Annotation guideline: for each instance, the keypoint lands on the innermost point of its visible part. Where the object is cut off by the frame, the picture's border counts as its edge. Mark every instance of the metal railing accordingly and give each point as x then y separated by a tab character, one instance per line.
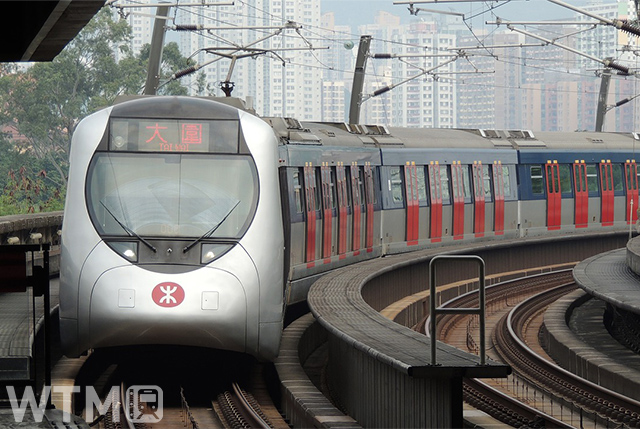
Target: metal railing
434	311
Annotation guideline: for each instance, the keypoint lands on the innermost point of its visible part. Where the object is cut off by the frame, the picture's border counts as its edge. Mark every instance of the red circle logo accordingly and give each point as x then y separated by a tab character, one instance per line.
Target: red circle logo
168	294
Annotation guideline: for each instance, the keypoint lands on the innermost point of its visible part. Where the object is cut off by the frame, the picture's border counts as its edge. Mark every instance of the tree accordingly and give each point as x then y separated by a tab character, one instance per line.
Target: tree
44	103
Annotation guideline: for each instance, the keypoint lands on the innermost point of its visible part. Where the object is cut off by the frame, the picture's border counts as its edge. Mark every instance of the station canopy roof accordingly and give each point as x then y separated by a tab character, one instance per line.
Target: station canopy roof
39	30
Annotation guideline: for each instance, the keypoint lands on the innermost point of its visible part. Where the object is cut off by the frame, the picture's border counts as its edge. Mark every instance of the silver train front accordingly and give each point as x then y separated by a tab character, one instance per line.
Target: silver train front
233	303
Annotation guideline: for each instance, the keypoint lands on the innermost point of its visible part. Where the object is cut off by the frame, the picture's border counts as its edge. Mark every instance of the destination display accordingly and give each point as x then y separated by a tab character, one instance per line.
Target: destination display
151	135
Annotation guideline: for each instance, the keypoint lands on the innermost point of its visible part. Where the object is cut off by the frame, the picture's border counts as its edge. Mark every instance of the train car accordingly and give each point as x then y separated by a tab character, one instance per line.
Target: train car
579	181
173	231
192	222
437	187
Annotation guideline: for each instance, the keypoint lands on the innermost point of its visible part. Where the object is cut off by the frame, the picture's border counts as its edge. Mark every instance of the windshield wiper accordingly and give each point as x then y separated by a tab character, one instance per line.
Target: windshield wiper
211	231
128	230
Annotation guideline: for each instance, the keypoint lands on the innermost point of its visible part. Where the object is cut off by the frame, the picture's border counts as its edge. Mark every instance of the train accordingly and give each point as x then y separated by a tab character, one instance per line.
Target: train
193	221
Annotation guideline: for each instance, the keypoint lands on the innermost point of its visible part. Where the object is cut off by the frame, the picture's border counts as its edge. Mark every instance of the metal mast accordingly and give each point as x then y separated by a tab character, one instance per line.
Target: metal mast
155	55
358	79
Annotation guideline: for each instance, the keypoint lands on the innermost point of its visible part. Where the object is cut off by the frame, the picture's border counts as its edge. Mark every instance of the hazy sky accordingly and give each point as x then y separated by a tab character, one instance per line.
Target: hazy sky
359	12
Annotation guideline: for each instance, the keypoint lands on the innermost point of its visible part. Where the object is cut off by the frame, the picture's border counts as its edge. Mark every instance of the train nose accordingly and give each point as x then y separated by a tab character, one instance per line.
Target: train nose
133	306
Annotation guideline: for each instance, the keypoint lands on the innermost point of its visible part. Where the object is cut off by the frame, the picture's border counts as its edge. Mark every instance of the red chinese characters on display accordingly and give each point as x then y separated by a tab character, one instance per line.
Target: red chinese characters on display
175	136
156	133
192	133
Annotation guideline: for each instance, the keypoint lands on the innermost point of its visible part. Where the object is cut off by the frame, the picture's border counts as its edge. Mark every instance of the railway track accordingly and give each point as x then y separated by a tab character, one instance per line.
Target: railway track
605	406
241	410
205	394
548	395
233	408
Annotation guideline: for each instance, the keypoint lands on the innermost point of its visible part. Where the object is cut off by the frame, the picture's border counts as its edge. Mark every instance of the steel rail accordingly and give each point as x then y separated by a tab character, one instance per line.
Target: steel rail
563	384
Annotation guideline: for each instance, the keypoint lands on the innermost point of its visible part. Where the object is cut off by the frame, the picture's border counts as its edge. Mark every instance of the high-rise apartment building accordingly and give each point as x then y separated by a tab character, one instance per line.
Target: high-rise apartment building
141	22
424	92
505	81
280	74
539	86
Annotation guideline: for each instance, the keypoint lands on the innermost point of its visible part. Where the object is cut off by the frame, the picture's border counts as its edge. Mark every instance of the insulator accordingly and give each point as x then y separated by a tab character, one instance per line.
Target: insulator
188	27
623	69
621	102
384	56
630	28
184	72
381	91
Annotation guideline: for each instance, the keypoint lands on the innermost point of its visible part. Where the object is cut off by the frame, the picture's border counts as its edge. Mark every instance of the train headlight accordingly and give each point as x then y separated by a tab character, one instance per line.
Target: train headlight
119	141
211	251
129	250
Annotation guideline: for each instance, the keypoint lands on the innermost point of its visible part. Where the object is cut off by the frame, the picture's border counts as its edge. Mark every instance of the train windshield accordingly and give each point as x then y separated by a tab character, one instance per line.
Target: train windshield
171	195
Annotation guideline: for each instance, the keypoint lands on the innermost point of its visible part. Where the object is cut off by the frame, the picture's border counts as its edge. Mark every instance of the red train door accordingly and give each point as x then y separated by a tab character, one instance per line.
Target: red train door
498	206
436	202
457	180
581	194
357	207
606	185
478	192
310	200
369	200
554	195
413	207
631	180
327	211
343	210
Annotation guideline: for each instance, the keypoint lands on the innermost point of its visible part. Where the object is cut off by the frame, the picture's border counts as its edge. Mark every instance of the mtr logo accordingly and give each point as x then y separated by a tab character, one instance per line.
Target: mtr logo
168	294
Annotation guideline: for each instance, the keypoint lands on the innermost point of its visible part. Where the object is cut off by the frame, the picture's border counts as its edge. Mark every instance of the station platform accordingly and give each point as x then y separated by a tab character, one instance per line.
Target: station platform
610	276
16	328
52	419
586	346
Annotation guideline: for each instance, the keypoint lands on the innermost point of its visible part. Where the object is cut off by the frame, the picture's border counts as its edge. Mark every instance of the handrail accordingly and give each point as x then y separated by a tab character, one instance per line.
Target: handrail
433	311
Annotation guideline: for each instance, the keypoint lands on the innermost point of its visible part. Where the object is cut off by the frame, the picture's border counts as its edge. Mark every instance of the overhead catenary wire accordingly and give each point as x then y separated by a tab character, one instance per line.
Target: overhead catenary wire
617	23
312	30
314	33
605	62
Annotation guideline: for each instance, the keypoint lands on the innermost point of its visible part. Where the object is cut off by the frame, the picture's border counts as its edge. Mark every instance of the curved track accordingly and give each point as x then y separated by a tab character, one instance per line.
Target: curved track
554	390
189	397
604	405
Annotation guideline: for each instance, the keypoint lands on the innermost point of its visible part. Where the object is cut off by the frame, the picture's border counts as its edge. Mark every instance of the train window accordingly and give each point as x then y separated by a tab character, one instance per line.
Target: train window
537	187
171	195
581	178
466	182
347	185
297	187
355	188
374	180
455	179
592	178
460	185
486	178
395	184
565	179
434	186
342	191
369	184
444	181
506	181
318	188
332	185
326	188
631	181
617	177
422	185
361	184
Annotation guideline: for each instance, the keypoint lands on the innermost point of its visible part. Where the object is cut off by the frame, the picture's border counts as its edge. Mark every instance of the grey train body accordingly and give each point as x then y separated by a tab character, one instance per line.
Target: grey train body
192	222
